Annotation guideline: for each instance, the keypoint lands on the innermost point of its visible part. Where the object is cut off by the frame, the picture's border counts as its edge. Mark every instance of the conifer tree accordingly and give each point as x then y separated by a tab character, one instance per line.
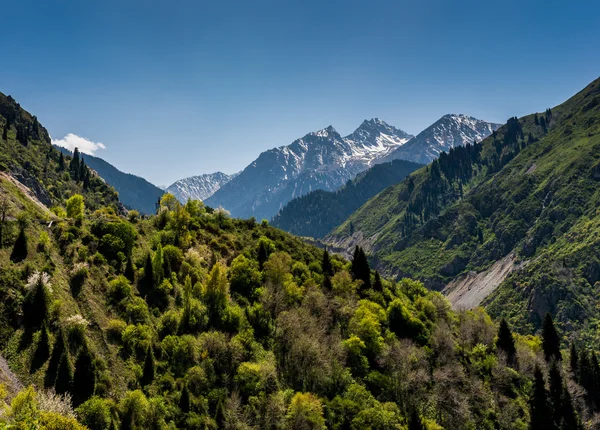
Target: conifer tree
184	400
360	268
58	350
36	306
148	374
570	420
84	379
556	391
550	340
74	165
377	285
5	131
42	350
263	255
574	359
536	120
64	376
82	169
414	421
19	252
147	281
326	265
130	270
61	162
541	417
506	342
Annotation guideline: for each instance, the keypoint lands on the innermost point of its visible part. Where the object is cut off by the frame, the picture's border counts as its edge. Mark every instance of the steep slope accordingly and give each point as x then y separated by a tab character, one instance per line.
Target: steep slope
198	187
134	192
320	160
318	212
448	132
532	188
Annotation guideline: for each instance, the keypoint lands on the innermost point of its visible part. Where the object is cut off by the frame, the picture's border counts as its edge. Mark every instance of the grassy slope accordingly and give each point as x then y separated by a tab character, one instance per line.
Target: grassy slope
546	193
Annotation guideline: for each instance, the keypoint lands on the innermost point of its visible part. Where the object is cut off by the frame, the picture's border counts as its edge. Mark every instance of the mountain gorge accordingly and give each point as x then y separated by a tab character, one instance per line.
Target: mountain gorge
528	196
199	187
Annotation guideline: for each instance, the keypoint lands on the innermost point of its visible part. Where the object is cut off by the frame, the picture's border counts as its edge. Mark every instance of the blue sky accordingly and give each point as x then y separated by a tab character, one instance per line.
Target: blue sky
178	88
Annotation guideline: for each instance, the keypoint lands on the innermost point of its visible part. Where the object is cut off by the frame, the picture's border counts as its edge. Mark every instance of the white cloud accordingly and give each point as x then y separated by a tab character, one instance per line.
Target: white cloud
72	141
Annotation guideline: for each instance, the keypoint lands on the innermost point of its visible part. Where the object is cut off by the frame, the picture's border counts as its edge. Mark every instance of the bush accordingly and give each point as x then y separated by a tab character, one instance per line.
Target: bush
95	414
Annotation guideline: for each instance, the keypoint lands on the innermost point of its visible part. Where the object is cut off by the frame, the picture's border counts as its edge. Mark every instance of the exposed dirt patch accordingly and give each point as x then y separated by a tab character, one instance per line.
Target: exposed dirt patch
25	190
9	379
470	290
531	169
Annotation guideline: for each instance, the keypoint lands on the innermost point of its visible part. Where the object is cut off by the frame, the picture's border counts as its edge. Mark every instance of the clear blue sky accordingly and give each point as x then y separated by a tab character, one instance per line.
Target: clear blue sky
177	88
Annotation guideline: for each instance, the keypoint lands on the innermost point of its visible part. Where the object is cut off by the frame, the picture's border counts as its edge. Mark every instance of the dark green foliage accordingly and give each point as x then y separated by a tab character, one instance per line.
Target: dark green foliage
262	255
506	342
64	375
556	392
317	213
360	268
19	252
61	162
541	416
574	359
146	282
377	285
184	400
148	374
58	350
414	421
326	266
42	350
550	340
74	165
84	378
36	306
569	418
130	270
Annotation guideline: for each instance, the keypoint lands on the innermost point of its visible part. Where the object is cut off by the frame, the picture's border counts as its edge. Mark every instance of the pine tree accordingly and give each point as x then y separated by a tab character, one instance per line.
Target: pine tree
64	376
536	120
574	359
184	400
74	165
130	270
147	281
42	351
82	169
360	268
570	420
506	342
540	410
86	179
377	285
326	265
414	421
5	132
556	389
36	306
61	162
262	255
19	252
550	340
148	375
84	379
58	350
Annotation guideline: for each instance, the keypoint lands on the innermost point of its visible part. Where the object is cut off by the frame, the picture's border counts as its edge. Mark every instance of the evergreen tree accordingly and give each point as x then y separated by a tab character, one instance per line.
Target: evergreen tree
327	283
158	266
414	421
130	270
556	391
84	379
19	252
506	342
360	268
82	169
377	285
550	339
263	255
61	162
536	120
42	351
574	359
541	417
74	165
184	400
86	179
326	265
570	420
58	350
147	281
36	306
5	132
148	375
64	376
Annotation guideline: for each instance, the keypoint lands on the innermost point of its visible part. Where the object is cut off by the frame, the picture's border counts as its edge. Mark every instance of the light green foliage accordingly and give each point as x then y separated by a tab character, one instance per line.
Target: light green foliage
305	412
76	207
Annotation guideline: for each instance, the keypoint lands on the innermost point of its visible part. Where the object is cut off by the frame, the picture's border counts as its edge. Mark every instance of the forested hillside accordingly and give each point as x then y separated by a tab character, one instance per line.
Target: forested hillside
317	213
192	319
530	192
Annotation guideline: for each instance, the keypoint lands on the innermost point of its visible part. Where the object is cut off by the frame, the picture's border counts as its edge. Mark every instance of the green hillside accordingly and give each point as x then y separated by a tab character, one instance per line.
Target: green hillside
532	189
191	319
317	213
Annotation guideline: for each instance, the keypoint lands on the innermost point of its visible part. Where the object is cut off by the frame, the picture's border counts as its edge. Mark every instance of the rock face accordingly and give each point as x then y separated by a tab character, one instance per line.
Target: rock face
320	160
199	187
449	131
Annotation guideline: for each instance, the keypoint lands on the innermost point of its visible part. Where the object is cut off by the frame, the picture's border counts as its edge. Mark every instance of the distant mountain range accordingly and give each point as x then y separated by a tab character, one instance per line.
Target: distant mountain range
198	187
134	192
448	132
324	160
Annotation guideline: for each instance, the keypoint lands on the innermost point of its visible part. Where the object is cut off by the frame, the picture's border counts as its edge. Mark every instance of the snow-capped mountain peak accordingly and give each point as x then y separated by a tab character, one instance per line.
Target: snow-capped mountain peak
198	187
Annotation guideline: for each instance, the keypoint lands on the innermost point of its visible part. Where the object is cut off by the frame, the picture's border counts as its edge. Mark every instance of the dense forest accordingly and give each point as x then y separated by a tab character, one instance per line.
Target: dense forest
317	213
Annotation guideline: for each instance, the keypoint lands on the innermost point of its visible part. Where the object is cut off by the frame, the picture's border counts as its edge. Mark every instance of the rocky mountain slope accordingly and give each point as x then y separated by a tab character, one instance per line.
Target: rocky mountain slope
448	132
134	192
317	213
199	187
532	189
320	160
